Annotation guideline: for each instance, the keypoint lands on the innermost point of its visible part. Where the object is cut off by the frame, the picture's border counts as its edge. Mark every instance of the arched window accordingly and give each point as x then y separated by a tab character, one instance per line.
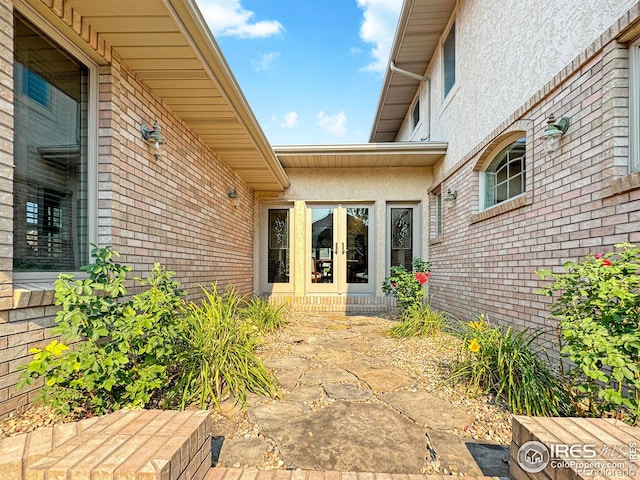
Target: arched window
504	178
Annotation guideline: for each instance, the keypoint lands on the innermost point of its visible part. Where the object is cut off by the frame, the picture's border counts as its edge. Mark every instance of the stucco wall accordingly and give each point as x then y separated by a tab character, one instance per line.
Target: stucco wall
173	210
505	52
376	186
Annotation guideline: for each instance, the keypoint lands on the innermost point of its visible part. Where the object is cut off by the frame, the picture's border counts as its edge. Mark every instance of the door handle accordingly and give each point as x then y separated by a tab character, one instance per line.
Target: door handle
335	251
343	249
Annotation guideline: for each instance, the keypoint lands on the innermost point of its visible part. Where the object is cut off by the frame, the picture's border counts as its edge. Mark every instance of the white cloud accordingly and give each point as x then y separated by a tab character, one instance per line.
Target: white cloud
265	61
378	28
229	18
290	120
336	124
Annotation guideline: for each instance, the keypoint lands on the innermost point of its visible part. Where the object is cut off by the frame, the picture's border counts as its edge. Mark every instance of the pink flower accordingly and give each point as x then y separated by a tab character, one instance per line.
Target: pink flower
598	255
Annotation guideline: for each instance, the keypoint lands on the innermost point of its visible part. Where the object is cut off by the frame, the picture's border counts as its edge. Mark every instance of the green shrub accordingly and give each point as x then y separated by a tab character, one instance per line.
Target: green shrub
408	286
219	353
125	346
598	312
418	321
506	363
264	315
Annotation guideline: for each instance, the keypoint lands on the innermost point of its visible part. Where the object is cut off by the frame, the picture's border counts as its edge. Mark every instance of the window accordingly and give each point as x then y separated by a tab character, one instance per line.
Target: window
36	87
50	198
449	60
505	176
634	101
402	242
278	250
437	215
415	114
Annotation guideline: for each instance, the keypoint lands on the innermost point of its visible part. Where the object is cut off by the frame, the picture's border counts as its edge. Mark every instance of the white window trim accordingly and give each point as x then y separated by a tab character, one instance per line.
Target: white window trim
634	106
92	136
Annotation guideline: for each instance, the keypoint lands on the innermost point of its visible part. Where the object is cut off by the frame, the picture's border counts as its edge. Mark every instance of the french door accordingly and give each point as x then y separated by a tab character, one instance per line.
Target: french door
340	249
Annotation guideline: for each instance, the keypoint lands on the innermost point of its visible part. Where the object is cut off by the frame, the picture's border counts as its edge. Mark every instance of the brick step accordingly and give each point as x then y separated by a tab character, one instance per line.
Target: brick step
132	444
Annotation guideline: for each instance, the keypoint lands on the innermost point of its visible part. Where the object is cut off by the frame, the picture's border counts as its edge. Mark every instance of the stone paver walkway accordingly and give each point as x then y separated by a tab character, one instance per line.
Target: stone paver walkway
346	409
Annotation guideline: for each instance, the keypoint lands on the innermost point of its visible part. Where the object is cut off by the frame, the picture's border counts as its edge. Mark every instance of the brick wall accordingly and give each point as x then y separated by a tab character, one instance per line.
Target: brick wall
173	210
580	199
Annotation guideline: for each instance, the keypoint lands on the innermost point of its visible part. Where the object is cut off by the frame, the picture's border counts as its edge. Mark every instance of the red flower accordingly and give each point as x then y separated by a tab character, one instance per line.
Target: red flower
393	284
606	262
422	277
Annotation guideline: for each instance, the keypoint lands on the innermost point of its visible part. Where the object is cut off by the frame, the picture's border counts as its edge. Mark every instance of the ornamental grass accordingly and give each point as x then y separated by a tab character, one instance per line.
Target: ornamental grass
509	364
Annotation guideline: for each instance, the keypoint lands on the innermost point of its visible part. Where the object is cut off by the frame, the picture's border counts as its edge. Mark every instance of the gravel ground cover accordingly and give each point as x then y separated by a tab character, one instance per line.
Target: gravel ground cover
426	359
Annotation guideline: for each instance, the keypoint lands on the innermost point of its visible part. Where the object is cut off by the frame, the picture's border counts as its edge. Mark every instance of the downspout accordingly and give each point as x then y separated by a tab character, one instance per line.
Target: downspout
406	73
420	78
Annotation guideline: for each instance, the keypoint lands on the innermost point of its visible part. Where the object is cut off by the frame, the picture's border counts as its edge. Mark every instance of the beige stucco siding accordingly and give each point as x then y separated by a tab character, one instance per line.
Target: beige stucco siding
505	52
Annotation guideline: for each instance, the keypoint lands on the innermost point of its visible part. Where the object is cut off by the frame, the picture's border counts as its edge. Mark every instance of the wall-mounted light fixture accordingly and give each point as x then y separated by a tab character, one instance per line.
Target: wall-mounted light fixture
553	132
451	195
234	196
155	140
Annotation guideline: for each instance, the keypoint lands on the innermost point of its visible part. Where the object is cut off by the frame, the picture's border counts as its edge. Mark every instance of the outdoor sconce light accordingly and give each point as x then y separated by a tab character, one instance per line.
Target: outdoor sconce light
451	195
553	132
155	140
235	196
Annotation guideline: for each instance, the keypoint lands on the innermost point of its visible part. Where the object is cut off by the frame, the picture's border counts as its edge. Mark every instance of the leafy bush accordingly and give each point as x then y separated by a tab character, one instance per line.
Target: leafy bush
219	353
264	315
506	363
418	321
598	312
408	287
125	346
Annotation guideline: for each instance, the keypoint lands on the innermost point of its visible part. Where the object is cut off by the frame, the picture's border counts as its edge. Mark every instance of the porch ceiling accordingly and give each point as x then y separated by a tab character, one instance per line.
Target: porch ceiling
421	24
367	155
168	45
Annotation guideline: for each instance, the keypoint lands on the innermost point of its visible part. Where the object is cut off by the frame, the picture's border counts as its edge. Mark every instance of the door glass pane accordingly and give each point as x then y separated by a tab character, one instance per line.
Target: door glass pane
402	237
357	245
322	240
278	251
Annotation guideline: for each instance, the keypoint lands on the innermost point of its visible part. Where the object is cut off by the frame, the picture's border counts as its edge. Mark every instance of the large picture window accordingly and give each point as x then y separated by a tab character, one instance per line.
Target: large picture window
50	150
505	176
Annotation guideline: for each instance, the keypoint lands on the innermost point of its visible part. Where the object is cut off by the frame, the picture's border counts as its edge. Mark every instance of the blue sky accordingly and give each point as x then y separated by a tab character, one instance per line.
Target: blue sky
311	71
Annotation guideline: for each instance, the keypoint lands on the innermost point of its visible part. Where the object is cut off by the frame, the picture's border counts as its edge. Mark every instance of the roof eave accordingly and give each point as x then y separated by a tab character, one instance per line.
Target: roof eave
211	56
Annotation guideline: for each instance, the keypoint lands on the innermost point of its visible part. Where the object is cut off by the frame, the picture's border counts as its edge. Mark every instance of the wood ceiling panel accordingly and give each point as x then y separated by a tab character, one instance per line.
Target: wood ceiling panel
136	51
147	39
115	8
168	64
121	24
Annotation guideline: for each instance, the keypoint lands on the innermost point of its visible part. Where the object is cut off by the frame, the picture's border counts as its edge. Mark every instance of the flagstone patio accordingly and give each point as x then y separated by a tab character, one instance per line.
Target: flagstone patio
346	408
